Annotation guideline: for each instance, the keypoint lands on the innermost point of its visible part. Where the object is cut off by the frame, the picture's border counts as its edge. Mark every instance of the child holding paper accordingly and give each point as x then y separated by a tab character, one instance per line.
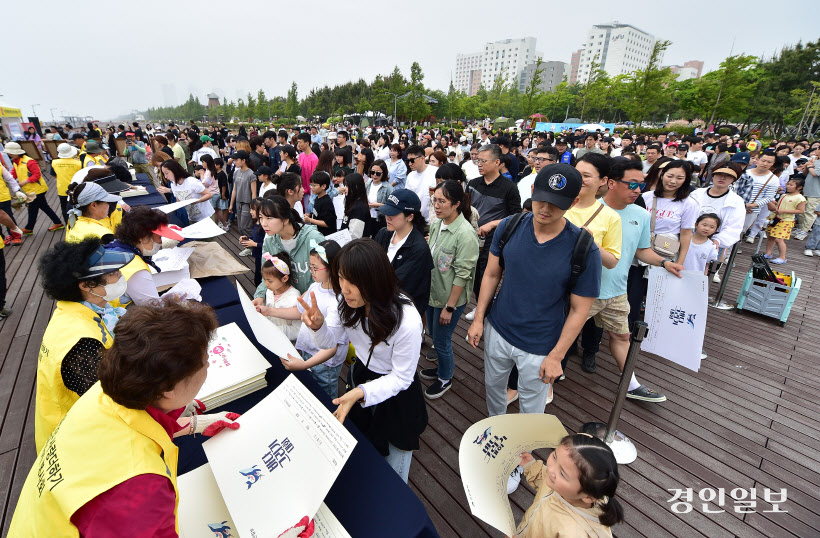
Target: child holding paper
702	250
280	294
575	490
325	364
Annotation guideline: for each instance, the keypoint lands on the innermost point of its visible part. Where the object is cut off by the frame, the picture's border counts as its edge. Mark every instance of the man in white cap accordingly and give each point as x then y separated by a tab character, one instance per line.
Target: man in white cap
30	179
65	166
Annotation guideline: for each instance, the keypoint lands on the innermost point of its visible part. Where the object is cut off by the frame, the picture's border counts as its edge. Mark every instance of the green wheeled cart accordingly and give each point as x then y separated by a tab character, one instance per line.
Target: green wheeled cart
768	298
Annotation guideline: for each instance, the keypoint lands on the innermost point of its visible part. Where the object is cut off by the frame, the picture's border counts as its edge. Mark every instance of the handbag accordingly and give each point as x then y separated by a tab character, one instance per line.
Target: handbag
667	245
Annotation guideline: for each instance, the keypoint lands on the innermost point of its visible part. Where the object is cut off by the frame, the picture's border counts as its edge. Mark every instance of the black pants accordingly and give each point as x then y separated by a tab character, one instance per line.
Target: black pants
6	206
481	266
64	207
636	287
2	280
34	208
591	336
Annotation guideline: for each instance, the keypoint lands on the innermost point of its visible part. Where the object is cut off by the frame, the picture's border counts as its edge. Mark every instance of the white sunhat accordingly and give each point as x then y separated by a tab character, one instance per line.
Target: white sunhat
66	151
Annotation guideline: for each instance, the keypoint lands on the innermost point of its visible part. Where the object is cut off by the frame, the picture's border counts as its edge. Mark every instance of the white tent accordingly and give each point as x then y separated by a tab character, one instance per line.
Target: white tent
592	127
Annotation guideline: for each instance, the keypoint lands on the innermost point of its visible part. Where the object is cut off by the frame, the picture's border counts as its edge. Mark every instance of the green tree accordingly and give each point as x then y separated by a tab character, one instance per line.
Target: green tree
292	101
495	97
262	105
250	109
416	100
533	91
647	88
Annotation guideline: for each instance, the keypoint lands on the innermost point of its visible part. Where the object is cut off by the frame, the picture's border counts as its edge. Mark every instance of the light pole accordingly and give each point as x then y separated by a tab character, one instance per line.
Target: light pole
52	114
395	102
34	110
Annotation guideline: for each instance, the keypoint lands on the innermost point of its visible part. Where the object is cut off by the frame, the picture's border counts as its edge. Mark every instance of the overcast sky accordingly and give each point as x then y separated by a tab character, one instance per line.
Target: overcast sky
149	51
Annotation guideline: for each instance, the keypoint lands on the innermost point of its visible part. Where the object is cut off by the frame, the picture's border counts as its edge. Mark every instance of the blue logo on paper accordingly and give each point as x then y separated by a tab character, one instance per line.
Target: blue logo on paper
691	320
557	182
252	474
483	437
220	530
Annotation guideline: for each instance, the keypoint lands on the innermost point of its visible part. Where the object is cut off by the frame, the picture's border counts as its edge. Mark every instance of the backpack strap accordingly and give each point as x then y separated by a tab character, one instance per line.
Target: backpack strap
509	229
579	263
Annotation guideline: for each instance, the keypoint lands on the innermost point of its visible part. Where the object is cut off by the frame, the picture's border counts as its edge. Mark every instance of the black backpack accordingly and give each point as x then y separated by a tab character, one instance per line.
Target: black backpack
579	253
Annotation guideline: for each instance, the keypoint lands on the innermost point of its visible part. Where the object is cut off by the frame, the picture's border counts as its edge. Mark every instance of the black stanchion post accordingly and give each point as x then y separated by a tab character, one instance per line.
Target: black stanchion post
718	302
624	450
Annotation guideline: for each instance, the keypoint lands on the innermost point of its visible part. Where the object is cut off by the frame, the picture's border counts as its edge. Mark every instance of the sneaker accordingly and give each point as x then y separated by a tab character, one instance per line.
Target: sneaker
763	234
563	377
779	261
437	389
511	399
800	235
429	373
7	241
702	355
716	278
750	239
4	313
588	364
431	355
514	480
470	316
816	252
26	231
646	394
767	256
807	252
246	252
16	239
55	227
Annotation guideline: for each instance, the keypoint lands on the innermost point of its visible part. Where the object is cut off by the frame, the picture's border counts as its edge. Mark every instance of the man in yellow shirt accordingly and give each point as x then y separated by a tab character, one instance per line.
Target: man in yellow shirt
65	166
605	226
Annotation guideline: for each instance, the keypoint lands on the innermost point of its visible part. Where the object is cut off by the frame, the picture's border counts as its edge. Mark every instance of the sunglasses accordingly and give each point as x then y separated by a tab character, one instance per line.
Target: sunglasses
376	173
632	185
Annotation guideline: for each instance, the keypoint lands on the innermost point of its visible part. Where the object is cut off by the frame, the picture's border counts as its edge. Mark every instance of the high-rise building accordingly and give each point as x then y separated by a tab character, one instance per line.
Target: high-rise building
467	72
509	56
618	49
552	74
574	64
691	69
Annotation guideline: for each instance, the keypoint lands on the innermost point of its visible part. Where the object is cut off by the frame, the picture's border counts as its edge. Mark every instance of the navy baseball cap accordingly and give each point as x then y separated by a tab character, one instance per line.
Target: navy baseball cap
741	157
264	171
558	184
399	201
241	154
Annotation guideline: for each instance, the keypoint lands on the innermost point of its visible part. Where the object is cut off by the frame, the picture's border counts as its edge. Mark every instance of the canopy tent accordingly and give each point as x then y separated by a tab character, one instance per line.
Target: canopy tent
11	121
592	127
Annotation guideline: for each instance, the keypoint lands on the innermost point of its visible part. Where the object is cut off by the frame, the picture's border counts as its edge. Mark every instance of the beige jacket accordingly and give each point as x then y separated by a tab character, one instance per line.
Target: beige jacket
550	516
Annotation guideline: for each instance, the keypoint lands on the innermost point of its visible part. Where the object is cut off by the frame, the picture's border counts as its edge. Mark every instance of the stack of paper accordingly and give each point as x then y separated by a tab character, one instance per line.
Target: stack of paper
135	190
204	229
236	368
202	512
173	266
276	468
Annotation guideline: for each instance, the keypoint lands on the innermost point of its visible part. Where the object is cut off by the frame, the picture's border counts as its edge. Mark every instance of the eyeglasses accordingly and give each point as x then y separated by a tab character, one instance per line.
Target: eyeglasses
440	201
316	269
376	173
543	160
632	185
485	161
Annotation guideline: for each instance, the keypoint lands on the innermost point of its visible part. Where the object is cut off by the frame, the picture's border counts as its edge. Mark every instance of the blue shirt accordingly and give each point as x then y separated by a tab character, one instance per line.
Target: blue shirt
634	235
529	310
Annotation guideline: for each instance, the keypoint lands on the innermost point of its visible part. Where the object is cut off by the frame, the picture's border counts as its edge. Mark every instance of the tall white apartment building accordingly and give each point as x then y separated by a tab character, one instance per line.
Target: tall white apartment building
508	56
618	48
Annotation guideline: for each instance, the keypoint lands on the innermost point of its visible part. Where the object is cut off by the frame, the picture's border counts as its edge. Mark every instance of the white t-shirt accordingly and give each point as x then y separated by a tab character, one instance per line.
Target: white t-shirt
672	216
372	195
265	188
191	189
698	158
421	183
392	249
288	244
287	300
325	299
470	170
699	256
525	187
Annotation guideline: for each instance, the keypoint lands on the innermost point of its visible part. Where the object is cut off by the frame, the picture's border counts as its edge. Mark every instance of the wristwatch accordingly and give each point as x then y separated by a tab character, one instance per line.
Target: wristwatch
449	308
663	261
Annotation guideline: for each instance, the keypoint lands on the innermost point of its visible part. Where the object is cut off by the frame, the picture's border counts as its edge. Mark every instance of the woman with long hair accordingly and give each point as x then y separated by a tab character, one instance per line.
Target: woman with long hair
378	189
396	167
357	213
185	187
364	160
670	206
386	401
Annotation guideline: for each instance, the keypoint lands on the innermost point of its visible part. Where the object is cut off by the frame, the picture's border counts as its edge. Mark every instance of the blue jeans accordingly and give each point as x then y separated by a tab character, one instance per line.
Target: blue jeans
326	376
442	339
813	241
400	461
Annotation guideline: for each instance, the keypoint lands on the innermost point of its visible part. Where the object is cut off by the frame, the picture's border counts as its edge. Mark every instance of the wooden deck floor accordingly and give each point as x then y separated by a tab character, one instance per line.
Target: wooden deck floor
748	419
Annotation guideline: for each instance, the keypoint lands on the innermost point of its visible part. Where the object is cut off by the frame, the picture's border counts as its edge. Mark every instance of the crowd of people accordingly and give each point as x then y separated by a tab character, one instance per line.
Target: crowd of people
549	234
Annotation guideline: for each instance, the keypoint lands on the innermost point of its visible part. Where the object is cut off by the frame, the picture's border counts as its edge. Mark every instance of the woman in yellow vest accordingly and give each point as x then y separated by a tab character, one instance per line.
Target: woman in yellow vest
94	154
91	204
108	179
30	178
83	278
140	233
65	166
110	467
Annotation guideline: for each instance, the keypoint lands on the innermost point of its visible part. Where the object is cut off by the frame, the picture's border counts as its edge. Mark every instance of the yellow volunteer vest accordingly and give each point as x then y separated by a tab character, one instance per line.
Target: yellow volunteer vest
128	271
100	444
22	177
70	322
113	220
64	170
85	227
94	159
5	194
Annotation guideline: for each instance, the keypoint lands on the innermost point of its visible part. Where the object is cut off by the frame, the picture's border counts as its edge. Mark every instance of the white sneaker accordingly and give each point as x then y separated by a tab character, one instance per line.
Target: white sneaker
808	252
514	480
470	317
816	252
702	355
750	239
716	278
246	252
763	234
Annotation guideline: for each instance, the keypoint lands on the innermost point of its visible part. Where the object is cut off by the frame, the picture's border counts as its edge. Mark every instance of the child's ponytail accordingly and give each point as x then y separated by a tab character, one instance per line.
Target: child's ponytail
613	512
598	474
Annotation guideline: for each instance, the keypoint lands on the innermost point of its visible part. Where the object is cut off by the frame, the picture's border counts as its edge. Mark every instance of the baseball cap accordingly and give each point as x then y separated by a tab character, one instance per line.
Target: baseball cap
241	154
683	147
557	184
741	157
129	133
561	140
205	138
264	171
399	201
171	232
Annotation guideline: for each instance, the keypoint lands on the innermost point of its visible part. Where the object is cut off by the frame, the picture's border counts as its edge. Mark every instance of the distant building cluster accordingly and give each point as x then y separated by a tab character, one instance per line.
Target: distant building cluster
615	47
